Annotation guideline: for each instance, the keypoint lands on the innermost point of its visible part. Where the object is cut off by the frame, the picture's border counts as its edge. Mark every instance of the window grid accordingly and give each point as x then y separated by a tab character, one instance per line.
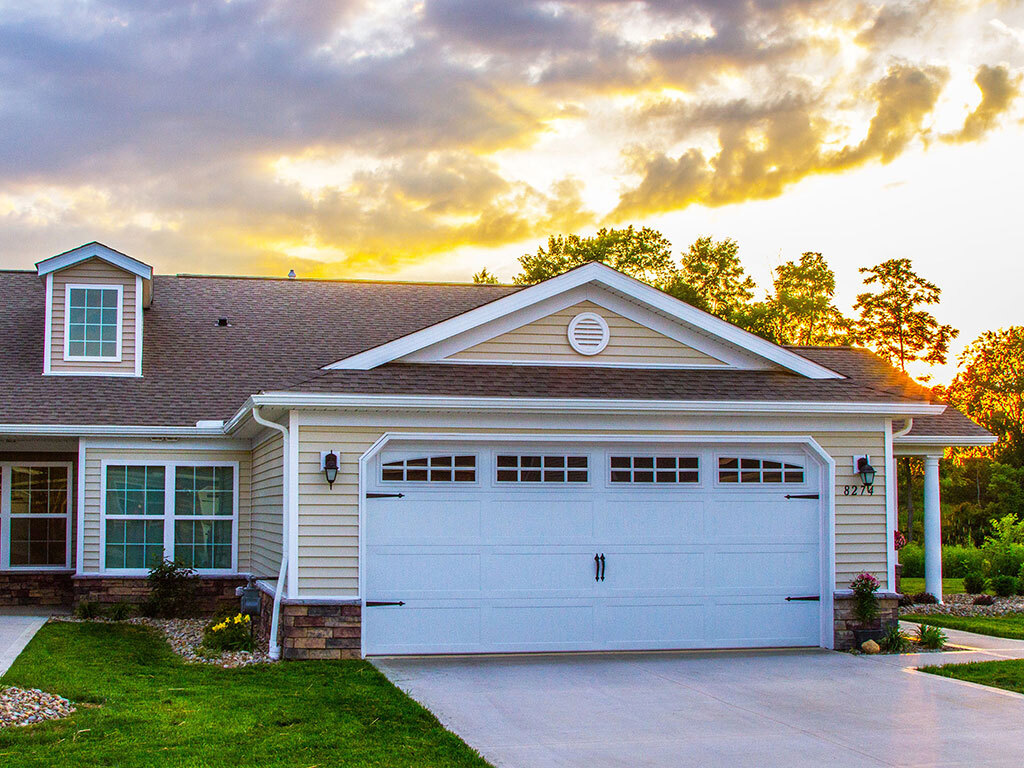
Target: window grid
542	469
752	471
38	534
134	511
654	469
433	469
93	322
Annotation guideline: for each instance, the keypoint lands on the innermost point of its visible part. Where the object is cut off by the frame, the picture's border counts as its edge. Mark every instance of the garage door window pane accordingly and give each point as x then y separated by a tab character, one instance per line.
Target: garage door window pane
758	471
654	469
552	468
434	469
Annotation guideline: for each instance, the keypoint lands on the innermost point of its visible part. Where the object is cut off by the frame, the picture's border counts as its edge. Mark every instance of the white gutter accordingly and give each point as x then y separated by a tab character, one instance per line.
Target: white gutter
946	441
275	646
100	430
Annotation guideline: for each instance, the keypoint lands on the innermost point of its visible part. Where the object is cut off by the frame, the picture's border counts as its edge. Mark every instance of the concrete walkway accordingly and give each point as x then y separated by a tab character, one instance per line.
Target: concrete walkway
17	627
733	709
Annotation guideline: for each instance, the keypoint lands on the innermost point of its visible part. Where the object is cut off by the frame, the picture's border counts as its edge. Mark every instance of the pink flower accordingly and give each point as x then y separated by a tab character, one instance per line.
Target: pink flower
899	540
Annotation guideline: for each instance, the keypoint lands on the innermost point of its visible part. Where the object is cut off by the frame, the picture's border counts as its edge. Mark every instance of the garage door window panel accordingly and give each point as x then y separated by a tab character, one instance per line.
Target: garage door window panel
733	470
542	468
430	469
654	470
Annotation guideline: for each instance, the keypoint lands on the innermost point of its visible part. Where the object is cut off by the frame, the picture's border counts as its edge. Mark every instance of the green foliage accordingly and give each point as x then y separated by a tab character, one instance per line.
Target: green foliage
88	609
1004	549
1008	625
989	387
865	606
957	562
891	319
974	583
119	611
1004	586
233	633
931	637
895	641
157	711
172	591
711	278
802	308
644	254
484	277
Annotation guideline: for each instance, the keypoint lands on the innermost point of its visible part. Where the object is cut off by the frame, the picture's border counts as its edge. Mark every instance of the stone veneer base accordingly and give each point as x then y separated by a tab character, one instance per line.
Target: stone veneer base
313	631
212	593
45	588
845	622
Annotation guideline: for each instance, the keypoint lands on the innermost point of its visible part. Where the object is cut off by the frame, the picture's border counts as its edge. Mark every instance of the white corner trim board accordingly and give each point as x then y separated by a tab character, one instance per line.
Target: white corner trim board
595	272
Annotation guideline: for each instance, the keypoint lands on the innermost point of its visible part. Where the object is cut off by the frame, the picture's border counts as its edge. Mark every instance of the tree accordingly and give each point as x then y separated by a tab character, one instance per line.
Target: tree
989	387
712	278
802	306
892	320
644	254
484	277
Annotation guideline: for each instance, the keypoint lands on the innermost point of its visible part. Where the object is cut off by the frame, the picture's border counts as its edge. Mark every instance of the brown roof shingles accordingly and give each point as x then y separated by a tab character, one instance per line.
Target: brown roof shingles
281	332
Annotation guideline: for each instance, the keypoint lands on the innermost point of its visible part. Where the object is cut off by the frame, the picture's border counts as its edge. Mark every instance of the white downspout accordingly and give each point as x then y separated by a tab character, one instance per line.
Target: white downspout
275	647
905	428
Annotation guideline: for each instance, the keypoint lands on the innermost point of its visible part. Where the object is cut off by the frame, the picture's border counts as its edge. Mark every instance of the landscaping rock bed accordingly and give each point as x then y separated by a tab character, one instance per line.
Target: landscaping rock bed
185	636
962	605
27	706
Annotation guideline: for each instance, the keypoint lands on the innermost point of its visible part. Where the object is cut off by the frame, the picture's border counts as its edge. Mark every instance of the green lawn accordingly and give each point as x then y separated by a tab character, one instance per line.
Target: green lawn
1011	625
913	586
998	674
154	710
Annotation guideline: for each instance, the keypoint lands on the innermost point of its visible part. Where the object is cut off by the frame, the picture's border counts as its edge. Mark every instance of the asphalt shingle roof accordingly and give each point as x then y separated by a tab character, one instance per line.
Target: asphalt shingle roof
281	332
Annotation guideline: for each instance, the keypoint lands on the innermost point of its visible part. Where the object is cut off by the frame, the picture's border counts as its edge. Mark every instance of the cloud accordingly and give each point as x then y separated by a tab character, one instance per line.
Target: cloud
998	90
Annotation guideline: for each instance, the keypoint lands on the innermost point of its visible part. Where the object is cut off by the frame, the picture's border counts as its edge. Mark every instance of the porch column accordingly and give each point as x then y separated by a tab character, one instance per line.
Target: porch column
932	528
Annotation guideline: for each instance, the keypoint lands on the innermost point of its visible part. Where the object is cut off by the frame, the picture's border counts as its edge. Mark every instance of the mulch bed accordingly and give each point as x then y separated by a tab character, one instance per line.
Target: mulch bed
27	706
961	605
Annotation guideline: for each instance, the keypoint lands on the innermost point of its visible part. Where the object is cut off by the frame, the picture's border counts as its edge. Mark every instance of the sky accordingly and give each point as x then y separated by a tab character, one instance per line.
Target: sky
426	139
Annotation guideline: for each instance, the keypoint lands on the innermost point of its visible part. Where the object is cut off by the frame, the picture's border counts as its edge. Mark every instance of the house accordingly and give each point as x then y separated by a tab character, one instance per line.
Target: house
583	464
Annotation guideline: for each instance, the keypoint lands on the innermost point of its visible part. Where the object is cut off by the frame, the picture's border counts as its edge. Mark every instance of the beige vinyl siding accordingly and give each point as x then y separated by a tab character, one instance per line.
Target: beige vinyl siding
267	507
140	456
329	519
546	340
93	272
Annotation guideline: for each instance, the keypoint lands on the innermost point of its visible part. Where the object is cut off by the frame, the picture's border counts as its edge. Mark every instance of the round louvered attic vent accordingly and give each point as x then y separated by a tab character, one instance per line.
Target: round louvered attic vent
588	333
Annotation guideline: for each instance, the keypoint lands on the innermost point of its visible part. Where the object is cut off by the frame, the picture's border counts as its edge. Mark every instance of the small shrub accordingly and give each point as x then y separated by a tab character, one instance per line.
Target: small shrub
984	600
1004	586
172	591
119	611
974	583
925	598
895	641
87	609
230	634
912	559
906	601
865	606
930	637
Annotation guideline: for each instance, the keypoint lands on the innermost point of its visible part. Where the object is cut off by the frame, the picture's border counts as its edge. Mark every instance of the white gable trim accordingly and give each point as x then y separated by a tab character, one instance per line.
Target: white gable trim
594	272
728	354
94	251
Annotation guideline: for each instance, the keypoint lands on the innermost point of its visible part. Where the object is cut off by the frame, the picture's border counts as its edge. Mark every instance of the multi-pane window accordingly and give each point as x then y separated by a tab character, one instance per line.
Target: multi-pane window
93	322
434	469
741	470
182	512
542	469
135	516
654	469
39	516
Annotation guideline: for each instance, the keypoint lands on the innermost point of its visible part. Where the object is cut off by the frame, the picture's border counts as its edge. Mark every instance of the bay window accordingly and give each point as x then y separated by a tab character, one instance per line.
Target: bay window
186	512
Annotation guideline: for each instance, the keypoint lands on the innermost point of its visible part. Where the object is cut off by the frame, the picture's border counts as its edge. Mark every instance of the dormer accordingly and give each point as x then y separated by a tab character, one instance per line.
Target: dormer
95	298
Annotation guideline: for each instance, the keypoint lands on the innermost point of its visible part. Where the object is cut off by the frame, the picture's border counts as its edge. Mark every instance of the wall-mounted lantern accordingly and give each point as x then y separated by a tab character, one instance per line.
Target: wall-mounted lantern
866	471
330	468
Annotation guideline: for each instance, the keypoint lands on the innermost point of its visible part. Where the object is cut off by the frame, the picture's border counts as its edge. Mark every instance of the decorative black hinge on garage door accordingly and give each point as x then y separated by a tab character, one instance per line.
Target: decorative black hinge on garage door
385	495
809	598
375	603
794	496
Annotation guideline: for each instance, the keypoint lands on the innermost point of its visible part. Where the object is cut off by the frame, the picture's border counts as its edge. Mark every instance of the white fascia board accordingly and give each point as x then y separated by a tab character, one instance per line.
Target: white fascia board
593	272
91	430
331	400
94	251
952	441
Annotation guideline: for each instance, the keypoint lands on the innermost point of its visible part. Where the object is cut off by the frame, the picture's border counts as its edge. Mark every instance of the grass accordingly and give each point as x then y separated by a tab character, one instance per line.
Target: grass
1010	625
144	707
949	586
1008	675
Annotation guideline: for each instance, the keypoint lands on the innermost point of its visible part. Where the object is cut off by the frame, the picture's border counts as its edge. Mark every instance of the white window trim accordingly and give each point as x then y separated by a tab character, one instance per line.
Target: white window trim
168	516
5	515
68	357
632	486
743	487
477	471
542	483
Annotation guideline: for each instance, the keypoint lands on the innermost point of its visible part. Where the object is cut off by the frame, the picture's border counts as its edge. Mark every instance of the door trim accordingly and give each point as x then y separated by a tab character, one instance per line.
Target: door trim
827	503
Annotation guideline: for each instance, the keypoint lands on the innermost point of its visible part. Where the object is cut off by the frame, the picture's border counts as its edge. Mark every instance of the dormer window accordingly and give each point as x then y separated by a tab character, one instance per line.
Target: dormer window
93	318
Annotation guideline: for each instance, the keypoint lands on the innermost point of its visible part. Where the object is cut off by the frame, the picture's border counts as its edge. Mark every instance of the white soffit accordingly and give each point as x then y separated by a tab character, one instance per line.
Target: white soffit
597	274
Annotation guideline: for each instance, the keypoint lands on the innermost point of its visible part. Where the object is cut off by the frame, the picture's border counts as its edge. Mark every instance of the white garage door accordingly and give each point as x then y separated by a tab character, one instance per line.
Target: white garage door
526	547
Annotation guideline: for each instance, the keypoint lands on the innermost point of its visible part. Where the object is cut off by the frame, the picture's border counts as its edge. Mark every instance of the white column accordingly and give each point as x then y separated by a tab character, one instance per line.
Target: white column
932	528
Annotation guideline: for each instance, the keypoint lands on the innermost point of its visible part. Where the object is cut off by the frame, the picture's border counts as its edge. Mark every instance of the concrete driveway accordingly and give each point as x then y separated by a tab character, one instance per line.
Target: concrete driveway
769	708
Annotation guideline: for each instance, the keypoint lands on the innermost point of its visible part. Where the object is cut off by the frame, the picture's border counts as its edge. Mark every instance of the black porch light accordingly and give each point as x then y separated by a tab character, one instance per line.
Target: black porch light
331	468
867	472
